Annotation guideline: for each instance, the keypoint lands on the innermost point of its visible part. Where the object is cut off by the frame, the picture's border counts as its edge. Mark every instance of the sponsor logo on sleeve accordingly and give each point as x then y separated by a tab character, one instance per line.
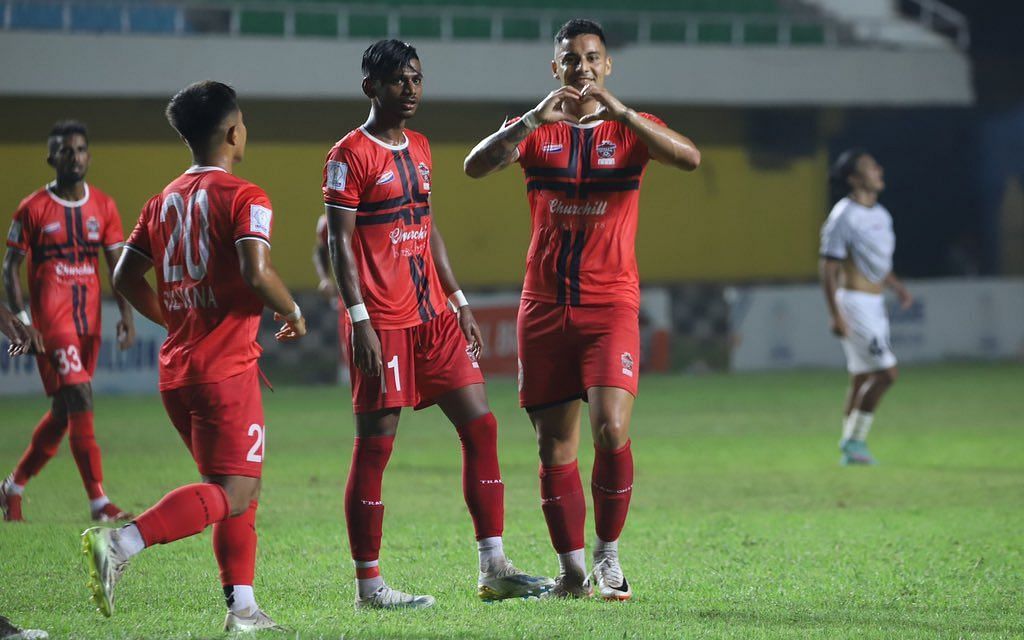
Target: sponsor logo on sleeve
14	235
92	229
259	219
386	177
606	152
337	173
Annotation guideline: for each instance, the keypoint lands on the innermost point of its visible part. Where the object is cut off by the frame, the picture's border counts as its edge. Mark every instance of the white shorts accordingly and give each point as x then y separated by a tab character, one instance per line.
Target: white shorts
867	344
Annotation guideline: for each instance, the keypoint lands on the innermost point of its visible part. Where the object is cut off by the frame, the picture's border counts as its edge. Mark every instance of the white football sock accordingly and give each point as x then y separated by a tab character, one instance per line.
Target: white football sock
491	550
99	503
13	488
602	548
573	563
241	599
860	424
847	429
129	540
367	586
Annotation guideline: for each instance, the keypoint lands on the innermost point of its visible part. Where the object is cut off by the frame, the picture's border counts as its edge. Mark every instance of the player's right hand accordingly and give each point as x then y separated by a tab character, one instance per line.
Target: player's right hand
838	326
552	108
25	339
366	349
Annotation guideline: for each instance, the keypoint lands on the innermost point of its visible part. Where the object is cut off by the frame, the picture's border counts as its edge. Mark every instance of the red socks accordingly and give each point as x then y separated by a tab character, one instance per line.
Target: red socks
183	512
45	443
234	544
364	511
612	485
564	506
481	476
86	452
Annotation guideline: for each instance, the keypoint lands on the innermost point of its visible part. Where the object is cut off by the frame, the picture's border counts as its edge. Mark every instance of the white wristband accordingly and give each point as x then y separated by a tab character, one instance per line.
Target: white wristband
23	316
357	313
294	315
459	299
531	120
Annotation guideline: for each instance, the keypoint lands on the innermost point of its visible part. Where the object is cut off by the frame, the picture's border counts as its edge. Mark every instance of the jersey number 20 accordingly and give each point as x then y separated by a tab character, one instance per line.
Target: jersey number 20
184	225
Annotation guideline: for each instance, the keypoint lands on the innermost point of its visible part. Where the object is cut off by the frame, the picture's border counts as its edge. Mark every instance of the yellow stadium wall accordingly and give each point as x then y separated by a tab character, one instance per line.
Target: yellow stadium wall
727	221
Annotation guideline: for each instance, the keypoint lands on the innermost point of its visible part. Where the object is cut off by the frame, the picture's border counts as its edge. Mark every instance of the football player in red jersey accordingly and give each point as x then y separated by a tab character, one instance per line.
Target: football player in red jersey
63	227
584	154
207	235
409	349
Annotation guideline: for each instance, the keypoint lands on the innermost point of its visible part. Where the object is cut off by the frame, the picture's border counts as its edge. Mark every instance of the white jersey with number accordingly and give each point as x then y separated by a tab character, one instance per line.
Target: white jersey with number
862	233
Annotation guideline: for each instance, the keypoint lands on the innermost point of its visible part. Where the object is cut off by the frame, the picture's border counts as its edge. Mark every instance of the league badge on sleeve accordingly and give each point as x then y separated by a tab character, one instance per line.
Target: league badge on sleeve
259	219
425	174
337	173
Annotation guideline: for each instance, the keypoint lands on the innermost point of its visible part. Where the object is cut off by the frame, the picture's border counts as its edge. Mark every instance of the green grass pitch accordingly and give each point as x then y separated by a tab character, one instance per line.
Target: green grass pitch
743	525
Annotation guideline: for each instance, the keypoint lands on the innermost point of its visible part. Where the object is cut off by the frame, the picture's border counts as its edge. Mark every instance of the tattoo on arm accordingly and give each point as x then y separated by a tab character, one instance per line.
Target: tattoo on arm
498	150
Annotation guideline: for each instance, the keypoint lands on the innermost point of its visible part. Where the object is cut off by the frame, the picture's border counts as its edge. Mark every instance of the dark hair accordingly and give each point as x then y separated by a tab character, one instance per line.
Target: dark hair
384	57
845	164
67	128
197	111
579	27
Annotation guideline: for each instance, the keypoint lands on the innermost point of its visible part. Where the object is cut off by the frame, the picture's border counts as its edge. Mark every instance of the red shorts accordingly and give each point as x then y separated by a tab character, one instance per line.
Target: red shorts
69	359
564	350
420	364
221	424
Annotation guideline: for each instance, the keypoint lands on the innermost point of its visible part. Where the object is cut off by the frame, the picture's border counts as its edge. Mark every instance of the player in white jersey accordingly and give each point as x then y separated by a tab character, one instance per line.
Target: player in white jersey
857	243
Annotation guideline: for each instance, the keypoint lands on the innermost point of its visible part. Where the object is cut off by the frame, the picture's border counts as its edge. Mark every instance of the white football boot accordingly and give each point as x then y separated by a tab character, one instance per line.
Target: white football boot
504	581
611	584
388	598
106	564
248	622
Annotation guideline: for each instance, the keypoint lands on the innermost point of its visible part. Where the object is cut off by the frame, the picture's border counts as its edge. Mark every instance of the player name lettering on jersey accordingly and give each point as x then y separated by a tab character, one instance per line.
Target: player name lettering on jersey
595	208
197	297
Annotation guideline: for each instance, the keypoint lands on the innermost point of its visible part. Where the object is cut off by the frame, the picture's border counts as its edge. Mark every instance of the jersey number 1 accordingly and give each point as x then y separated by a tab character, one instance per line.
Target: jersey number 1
182	231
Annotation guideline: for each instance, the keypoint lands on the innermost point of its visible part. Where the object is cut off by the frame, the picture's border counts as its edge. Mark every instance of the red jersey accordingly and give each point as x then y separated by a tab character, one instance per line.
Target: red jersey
388	186
189	231
583	185
63	240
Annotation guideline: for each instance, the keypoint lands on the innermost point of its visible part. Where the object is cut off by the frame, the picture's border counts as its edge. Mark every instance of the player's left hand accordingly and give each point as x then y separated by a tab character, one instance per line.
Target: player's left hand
906	299
291	329
471	330
125	332
22	339
610	109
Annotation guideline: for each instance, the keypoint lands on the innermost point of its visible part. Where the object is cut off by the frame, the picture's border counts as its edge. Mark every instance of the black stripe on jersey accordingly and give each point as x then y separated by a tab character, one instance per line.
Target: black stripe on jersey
383	218
414	186
569	188
418	281
629	171
587	144
69	228
606	187
74	310
79	231
82	309
574	267
404	177
561	264
429	308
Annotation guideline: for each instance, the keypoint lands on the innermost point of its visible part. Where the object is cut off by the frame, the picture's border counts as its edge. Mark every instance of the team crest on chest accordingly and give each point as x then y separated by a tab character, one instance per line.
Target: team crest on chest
424	171
606	152
92	229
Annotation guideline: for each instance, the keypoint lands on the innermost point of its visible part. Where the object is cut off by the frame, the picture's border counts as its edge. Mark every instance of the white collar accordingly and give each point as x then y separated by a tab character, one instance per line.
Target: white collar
393	147
67	203
589	125
196	168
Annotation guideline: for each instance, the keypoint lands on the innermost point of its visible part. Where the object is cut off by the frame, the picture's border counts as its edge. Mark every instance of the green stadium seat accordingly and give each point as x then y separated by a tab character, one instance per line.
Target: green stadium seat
317	25
367	26
471	28
262	23
419	26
